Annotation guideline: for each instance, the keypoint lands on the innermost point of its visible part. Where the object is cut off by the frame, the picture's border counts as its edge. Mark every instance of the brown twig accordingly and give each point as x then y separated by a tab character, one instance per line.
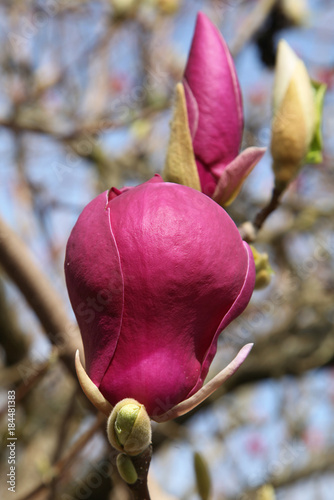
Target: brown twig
290	475
248	230
141	463
18	263
68	458
61	435
268	209
252	24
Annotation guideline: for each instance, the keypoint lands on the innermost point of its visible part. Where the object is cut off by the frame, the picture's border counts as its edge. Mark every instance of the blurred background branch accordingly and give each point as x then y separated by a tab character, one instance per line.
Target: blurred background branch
86	89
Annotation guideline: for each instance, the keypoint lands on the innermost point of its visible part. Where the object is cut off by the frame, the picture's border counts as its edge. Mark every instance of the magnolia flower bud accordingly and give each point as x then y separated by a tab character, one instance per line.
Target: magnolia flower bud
266	492
207	124
129	427
123	8
168	6
165	287
296	11
126	469
203	478
262	268
294	120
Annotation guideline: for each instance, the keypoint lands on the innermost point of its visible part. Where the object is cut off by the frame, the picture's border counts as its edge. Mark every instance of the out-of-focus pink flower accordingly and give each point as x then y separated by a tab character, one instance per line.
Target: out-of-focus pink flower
215	116
154	274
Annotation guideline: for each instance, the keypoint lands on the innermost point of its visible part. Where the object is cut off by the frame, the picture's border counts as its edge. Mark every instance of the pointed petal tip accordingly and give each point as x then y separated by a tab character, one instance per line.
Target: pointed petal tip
246	349
204	24
202	18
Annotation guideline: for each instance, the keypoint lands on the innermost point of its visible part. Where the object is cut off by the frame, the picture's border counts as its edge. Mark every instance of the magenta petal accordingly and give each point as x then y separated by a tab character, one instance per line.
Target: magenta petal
213	96
207	180
235	310
192	109
232	176
95	284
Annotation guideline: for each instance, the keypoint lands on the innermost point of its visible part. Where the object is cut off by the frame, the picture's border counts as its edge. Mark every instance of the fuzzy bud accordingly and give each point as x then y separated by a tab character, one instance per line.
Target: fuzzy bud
262	268
294	120
126	469
297	11
129	427
266	492
124	8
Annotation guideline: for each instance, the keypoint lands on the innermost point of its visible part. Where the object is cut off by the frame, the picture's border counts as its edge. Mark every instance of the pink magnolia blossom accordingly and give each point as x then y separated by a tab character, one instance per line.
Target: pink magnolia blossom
215	116
154	274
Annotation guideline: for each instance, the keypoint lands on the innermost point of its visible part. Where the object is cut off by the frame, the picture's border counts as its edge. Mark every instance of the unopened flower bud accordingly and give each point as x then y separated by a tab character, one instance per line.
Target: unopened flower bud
129	427
124	8
168	6
126	469
266	492
294	120
203	478
297	11
262	268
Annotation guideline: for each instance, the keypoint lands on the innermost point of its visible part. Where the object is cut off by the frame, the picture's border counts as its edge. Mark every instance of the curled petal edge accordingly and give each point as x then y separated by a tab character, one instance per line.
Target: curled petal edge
90	389
208	389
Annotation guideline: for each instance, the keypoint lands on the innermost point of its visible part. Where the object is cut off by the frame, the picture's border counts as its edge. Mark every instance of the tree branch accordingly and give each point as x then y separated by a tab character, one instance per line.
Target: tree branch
17	261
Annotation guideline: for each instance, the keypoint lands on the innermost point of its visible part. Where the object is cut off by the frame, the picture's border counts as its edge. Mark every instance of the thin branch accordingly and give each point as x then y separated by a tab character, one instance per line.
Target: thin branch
141	463
61	435
18	263
317	464
62	464
252	25
249	230
268	209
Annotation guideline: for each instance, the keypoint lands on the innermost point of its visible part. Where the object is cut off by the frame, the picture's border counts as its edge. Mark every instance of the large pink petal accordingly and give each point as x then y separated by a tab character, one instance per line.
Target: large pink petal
95	284
235	310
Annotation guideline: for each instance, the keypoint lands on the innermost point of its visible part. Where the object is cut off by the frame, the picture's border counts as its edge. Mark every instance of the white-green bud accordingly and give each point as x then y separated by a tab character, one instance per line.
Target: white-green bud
129	427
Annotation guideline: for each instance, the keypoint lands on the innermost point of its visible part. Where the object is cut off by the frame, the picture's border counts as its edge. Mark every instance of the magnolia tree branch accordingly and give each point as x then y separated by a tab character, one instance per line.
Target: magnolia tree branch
17	261
268	209
320	463
141	463
249	230
65	462
252	24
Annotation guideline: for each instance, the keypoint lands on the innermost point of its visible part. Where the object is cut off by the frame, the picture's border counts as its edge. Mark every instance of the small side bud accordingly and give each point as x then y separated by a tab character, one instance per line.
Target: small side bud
203	478
124	8
129	427
126	469
297	11
168	7
262	268
266	492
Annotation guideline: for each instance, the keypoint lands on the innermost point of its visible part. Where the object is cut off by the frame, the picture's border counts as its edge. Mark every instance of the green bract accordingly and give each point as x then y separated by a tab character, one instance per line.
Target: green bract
314	154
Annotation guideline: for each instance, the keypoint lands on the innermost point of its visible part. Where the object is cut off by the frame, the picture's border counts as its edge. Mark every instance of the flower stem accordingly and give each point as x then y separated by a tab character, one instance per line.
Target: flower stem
141	463
249	230
267	210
